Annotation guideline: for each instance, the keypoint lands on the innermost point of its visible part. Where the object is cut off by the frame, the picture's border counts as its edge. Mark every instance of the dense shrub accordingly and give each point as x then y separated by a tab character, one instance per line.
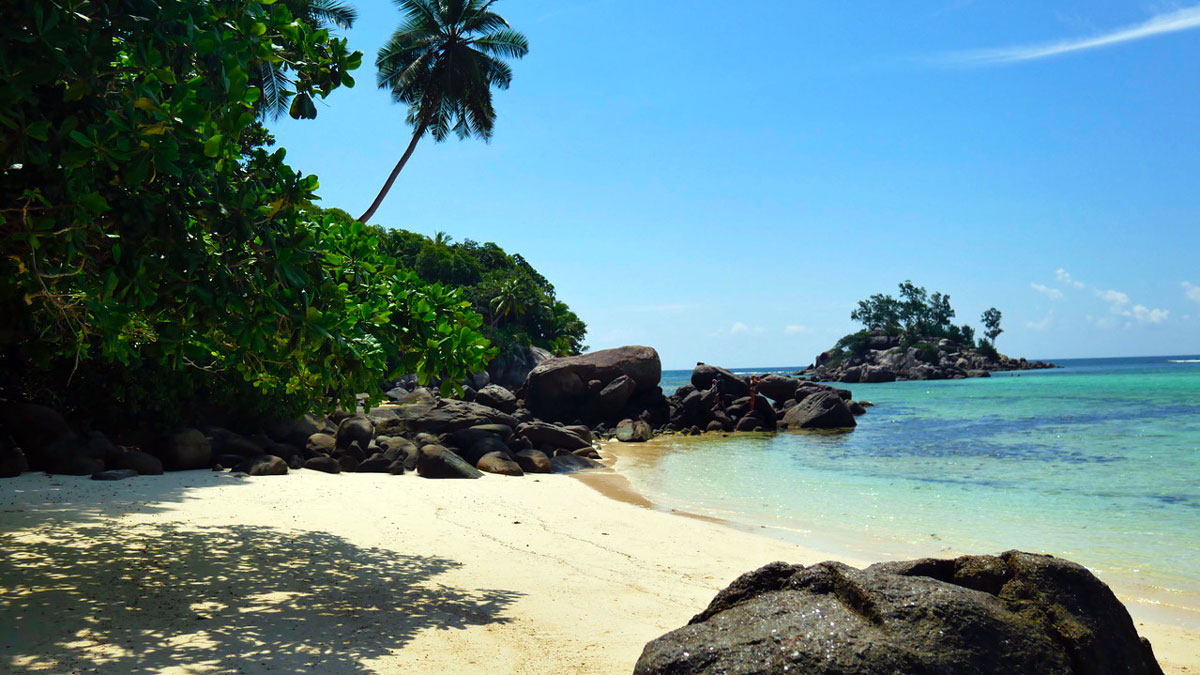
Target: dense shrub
154	250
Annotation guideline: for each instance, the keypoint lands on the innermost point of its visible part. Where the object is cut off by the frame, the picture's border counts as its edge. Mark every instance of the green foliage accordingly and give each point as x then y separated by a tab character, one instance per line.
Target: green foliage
274	77
519	304
854	344
147	232
916	314
988	349
991	323
926	352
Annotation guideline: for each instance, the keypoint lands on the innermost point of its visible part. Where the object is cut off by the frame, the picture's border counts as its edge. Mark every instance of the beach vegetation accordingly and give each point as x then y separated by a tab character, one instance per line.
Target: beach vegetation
443	62
156	248
915	315
519	305
991	324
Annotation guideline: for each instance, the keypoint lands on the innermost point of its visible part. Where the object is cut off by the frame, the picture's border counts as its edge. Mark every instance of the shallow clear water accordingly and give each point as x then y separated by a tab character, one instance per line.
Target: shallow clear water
1098	462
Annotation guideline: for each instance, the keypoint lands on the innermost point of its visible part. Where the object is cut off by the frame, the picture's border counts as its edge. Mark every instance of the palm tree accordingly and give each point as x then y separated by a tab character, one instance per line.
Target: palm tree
508	301
443	62
273	78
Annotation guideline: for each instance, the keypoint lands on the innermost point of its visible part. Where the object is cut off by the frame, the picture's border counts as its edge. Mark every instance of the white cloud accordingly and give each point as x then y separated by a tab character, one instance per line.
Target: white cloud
1146	315
1159	24
1119	304
1116	299
1064	277
1052	293
795	330
1192	291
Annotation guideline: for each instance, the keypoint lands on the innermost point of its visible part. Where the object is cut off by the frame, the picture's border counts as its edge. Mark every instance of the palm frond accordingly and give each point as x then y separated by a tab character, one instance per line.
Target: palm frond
339	14
505	43
274	83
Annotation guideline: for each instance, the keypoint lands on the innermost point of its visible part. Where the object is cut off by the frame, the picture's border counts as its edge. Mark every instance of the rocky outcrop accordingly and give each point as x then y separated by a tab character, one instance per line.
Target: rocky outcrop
699	406
578	387
1012	613
886	358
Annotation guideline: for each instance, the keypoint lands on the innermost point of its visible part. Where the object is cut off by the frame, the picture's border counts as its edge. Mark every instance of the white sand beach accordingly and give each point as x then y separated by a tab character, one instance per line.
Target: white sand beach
201	572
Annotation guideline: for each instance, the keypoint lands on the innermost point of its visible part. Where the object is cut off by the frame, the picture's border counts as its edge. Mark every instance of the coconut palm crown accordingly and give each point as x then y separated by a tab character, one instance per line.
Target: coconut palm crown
442	62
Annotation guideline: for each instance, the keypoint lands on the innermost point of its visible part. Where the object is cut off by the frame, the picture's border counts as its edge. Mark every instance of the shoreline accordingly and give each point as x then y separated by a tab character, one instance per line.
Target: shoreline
1161	625
203	572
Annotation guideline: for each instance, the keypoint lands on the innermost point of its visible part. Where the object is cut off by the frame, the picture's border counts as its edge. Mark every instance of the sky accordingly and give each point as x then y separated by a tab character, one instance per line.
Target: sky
724	181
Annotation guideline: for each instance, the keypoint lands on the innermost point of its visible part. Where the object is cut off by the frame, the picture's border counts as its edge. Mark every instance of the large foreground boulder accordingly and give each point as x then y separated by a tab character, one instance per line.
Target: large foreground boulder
557	387
820	410
985	615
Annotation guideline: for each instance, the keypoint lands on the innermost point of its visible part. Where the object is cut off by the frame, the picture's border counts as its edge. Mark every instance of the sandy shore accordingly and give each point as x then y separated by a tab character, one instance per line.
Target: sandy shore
199	572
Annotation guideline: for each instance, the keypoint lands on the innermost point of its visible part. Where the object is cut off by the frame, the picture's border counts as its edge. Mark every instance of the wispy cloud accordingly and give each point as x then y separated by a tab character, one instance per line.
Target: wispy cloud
1041	325
740	328
1192	291
796	330
1064	277
1052	293
1174	21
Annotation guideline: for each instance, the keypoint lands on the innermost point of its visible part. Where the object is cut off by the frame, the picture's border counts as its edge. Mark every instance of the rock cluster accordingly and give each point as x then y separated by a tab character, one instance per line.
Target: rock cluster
1012	613
437	438
550	423
886	359
780	403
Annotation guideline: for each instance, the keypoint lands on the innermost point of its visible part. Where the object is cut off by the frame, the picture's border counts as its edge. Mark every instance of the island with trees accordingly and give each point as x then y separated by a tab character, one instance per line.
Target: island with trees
913	337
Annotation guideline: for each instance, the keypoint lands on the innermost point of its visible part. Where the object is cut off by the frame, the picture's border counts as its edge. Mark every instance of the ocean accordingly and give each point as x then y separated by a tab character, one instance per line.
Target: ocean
1097	462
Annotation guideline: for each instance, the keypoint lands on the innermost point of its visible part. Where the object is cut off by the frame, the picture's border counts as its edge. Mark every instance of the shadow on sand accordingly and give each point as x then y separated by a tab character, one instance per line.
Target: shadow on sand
144	599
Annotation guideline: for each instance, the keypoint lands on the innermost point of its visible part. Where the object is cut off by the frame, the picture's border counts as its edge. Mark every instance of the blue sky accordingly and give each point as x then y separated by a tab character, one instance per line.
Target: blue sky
724	181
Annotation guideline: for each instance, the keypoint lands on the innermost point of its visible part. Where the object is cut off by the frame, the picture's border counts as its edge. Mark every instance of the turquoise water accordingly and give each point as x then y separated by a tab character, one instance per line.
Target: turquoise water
1098	462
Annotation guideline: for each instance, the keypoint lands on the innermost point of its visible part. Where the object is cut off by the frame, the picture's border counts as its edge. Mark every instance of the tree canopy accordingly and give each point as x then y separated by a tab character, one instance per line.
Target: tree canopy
519	305
917	315
153	244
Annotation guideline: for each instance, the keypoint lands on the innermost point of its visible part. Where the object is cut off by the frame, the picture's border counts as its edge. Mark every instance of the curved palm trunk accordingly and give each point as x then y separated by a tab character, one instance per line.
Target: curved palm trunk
395	172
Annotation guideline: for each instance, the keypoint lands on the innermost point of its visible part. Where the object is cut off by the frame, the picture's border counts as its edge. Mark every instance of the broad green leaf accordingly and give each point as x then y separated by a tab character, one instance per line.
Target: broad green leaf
212	147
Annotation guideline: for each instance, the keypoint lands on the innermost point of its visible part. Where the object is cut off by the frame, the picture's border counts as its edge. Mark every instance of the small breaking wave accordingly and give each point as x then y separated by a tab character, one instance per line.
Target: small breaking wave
1183	360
